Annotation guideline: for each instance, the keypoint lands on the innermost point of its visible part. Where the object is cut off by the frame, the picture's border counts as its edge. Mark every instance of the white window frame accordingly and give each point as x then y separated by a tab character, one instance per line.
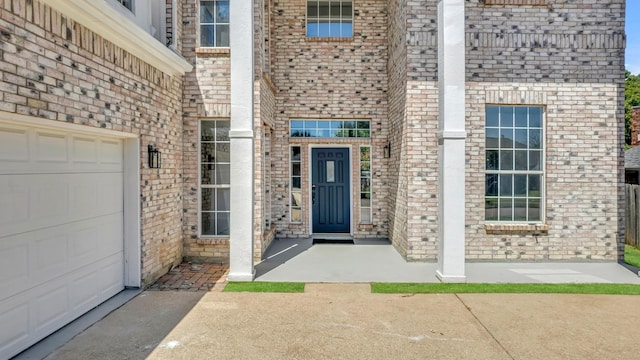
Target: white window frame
207	186
127	4
331	20
499	172
214	24
291	162
370	177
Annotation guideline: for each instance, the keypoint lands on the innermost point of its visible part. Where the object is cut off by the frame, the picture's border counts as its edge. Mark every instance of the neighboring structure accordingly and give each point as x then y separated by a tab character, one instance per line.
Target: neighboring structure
632	155
458	129
635	126
632	165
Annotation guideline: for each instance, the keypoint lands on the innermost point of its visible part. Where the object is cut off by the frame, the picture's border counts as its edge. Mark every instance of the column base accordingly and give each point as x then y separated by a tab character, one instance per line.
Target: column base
456	279
241	277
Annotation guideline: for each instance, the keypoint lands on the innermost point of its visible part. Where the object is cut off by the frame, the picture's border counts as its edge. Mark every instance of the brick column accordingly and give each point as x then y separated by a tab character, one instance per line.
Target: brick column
241	138
451	141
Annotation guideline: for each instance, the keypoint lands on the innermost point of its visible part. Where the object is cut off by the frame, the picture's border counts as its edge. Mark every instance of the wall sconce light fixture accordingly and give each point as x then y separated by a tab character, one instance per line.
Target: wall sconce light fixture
155	159
387	150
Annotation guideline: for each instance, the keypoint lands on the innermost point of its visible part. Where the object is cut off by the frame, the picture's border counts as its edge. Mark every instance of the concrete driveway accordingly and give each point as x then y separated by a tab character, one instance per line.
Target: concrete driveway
346	321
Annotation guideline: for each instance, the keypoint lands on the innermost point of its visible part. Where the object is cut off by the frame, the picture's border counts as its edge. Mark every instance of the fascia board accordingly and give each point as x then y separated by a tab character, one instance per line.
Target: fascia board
104	20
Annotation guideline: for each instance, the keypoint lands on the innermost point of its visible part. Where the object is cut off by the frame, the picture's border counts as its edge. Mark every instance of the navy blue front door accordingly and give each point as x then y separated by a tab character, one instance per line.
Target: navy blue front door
330	190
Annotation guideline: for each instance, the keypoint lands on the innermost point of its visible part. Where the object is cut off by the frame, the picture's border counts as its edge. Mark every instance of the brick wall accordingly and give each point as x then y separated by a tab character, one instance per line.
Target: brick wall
567	57
547	52
206	95
397	77
329	79
57	69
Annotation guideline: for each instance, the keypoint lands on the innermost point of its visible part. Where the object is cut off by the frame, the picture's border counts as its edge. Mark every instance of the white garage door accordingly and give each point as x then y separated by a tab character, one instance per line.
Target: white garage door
61	229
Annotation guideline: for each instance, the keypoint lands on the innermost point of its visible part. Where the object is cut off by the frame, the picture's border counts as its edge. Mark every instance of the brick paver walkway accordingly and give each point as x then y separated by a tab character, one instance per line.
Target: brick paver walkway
193	277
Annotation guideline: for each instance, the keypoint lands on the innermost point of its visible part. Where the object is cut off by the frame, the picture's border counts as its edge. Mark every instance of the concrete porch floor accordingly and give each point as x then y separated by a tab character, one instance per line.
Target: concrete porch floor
376	260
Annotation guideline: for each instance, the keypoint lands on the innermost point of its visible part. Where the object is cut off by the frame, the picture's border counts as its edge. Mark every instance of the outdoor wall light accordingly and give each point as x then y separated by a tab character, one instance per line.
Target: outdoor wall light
155	159
387	150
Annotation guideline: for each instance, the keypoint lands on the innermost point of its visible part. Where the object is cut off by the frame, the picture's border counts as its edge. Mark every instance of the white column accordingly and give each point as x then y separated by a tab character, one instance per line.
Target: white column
241	137
451	141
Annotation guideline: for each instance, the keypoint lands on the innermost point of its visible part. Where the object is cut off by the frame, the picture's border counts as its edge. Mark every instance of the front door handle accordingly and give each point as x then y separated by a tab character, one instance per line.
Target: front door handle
313	194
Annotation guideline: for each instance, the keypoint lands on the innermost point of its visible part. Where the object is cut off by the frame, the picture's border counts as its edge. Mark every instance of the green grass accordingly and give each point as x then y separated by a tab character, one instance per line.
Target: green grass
414	288
258	286
632	255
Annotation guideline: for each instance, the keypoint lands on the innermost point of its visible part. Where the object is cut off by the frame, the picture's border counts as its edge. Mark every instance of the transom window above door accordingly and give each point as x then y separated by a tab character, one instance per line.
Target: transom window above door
329	18
330	129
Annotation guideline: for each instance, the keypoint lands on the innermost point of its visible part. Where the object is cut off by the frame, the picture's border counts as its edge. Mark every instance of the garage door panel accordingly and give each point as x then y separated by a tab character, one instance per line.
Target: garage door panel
49	308
15	329
111	275
57	251
14	144
50	147
29	151
14	266
14	207
85	150
111	152
49	254
109	184
84	290
49	199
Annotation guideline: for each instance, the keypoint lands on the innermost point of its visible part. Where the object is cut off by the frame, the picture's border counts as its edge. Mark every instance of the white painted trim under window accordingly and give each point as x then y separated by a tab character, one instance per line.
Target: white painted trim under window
310	182
131	235
113	25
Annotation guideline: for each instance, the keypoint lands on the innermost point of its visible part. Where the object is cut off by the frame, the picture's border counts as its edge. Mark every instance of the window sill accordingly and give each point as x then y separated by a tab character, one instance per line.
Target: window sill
213	241
213	51
516	228
329	39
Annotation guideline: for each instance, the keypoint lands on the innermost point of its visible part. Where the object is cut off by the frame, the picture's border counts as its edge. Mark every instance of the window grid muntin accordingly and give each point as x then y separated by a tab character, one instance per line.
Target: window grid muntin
345	17
215	25
295	205
219	139
501	173
366	201
318	128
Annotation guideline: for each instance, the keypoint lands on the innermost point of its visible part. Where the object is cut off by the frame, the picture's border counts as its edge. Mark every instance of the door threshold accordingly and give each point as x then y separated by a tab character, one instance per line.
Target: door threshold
332	236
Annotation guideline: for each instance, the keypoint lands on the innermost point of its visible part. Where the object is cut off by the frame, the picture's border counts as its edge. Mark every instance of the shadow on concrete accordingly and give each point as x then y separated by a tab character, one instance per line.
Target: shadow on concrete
138	327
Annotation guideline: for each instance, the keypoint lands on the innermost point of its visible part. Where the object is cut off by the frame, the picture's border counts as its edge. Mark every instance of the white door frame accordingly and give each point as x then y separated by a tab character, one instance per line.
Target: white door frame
310	182
131	236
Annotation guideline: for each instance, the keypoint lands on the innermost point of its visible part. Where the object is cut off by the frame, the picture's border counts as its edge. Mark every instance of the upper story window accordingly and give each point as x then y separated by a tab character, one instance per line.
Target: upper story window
329	18
126	3
214	23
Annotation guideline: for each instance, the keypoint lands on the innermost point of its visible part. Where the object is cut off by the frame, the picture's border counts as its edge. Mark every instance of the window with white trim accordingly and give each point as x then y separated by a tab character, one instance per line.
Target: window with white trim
332	18
214	23
514	138
215	177
296	185
365	185
126	3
